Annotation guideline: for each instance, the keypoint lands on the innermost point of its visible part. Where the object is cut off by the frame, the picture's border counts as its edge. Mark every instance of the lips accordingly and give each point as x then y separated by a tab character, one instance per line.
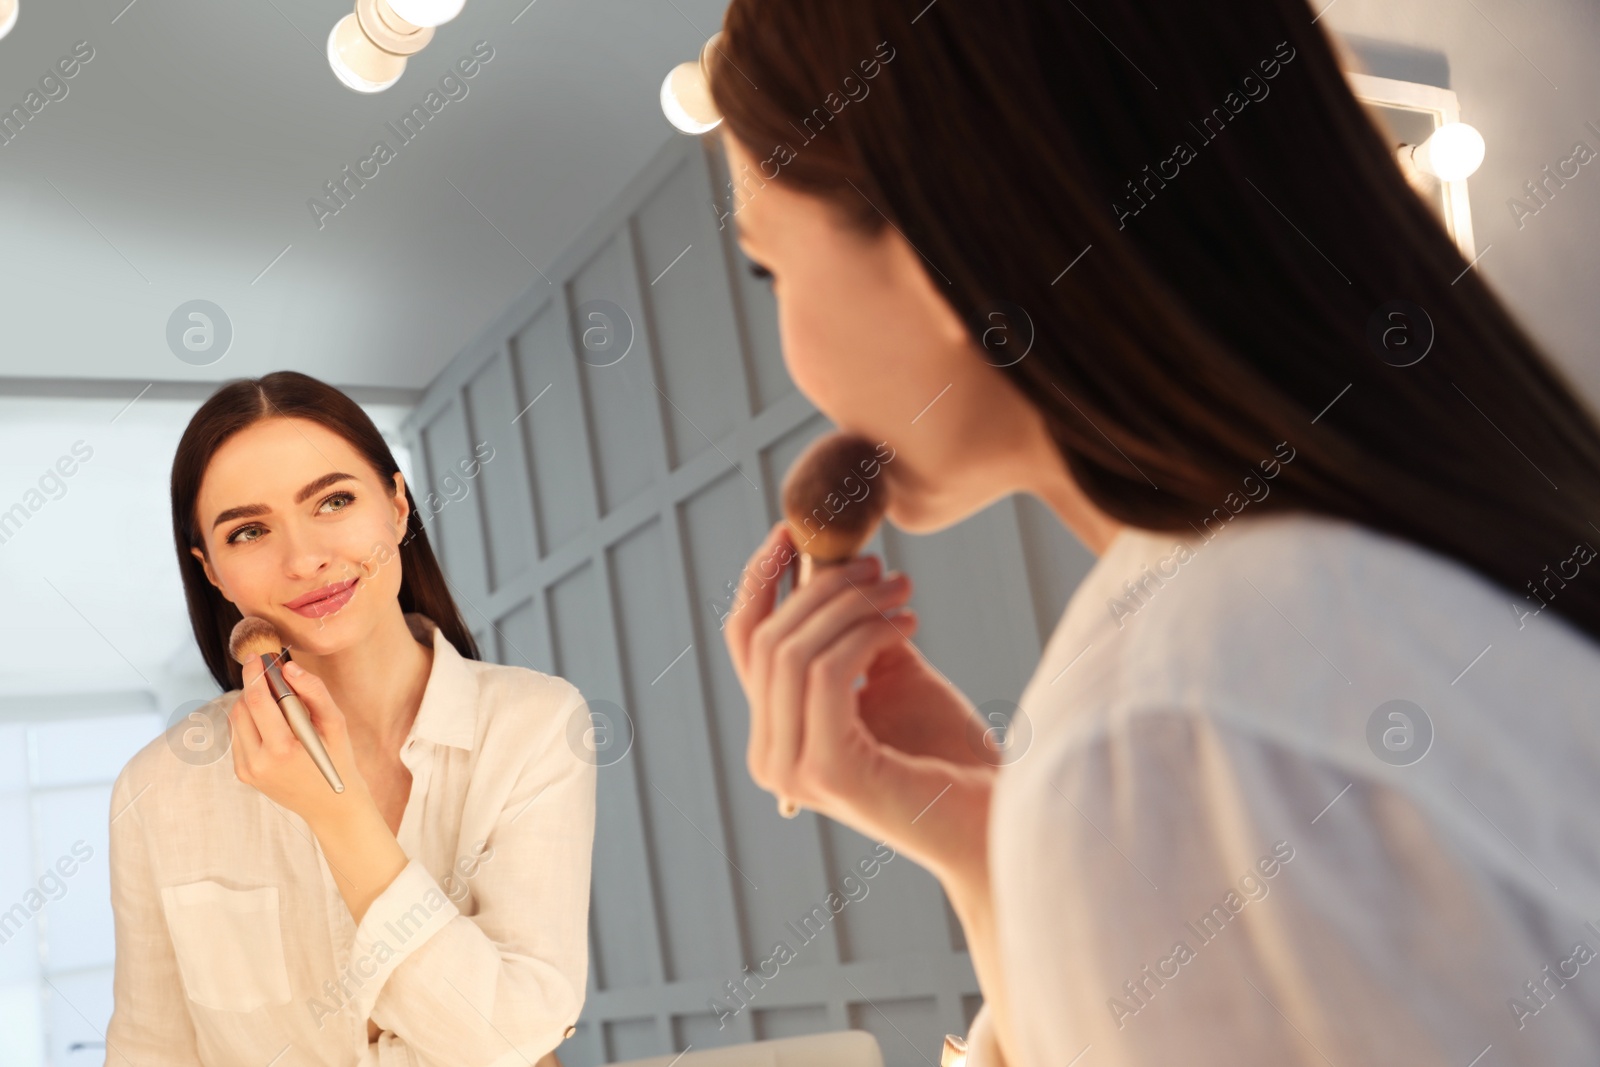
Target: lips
324	601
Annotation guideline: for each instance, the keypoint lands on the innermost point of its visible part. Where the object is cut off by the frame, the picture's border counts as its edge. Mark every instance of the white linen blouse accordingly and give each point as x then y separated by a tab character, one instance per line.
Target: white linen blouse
234	945
1228	843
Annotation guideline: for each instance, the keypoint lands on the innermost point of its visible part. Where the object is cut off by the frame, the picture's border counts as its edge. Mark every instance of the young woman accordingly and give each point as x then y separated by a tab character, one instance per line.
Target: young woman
1314	772
435	912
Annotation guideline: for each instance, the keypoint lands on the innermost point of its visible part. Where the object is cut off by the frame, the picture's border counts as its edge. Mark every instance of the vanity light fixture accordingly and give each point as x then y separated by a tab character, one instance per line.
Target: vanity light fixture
1423	123
8	16
367	49
1451	153
686	94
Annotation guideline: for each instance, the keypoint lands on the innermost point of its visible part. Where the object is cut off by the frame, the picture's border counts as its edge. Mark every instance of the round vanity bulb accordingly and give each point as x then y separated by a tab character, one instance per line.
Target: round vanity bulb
8	16
686	100
359	63
427	12
1452	152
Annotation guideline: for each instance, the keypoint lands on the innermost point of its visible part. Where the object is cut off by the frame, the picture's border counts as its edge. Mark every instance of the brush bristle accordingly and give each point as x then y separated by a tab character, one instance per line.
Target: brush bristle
830	500
253	637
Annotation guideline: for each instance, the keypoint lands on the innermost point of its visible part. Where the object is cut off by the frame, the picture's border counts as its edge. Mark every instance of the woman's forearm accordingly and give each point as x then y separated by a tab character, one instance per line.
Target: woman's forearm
363	855
365	858
973	903
965	875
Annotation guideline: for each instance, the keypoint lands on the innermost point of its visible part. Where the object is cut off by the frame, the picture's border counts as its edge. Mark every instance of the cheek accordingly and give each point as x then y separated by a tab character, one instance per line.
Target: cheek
246	578
815	348
376	545
847	350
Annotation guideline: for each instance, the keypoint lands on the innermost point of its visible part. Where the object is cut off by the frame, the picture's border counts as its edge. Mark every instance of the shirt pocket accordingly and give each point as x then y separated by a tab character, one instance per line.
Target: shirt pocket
228	943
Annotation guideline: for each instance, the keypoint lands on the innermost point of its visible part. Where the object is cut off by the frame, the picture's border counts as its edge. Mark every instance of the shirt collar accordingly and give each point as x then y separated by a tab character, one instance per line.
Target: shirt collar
449	711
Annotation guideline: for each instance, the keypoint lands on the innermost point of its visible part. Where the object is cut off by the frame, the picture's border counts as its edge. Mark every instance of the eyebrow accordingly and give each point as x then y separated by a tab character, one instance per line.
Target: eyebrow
250	511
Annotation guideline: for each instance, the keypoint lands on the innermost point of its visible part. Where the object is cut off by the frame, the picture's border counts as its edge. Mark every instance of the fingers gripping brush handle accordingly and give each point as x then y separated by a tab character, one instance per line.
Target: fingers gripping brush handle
300	721
254	637
835	466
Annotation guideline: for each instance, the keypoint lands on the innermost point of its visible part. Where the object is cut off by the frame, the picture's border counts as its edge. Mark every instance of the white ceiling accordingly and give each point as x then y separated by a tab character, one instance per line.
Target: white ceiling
180	163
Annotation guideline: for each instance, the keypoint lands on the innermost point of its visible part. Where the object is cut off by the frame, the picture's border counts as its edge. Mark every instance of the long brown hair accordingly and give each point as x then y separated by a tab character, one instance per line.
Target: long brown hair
1228	298
290	394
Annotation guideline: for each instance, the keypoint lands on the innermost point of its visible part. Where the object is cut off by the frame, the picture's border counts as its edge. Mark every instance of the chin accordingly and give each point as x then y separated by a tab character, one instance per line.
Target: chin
926	514
916	516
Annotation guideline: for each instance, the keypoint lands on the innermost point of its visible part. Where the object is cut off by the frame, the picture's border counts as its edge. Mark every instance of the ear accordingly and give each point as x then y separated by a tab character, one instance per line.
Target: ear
211	575
402	507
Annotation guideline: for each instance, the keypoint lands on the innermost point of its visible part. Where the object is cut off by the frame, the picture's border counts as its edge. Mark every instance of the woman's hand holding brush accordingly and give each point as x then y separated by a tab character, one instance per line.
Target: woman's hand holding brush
901	759
892	758
268	756
356	841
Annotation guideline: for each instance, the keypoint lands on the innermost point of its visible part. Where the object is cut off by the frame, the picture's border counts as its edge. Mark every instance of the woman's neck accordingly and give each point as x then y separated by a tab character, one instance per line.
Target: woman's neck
377	683
1047	477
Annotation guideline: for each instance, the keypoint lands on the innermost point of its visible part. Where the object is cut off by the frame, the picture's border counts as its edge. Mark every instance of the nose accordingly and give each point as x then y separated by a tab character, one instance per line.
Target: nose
304	554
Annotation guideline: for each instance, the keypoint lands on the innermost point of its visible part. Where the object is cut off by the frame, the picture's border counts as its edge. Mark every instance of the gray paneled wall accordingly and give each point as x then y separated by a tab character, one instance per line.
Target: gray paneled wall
641	420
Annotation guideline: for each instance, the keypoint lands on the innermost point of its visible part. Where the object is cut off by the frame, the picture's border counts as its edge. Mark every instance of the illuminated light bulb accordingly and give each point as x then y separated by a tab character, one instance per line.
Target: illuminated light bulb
686	95
359	63
686	100
367	49
8	16
427	12
1452	152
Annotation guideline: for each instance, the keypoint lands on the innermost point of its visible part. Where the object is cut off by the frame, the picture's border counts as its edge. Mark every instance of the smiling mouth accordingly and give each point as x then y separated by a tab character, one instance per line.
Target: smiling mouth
324	601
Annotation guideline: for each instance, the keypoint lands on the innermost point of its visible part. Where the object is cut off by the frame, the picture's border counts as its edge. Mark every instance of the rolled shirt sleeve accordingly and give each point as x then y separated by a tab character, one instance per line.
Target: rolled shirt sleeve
502	985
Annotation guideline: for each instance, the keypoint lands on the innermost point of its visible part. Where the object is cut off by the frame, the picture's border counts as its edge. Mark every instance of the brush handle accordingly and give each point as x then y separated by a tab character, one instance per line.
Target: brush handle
300	722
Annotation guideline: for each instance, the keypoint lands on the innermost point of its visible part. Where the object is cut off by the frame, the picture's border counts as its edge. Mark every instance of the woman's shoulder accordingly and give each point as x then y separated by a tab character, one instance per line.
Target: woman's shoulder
508	697
191	755
1301	556
509	681
1302	628
530	722
524	699
1309	592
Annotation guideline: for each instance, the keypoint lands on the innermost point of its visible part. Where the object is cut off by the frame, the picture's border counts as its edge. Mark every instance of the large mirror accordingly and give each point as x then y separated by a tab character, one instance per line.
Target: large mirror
477	224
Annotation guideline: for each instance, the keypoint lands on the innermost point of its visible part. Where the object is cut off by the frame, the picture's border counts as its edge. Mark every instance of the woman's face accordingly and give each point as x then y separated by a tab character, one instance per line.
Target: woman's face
301	531
870	340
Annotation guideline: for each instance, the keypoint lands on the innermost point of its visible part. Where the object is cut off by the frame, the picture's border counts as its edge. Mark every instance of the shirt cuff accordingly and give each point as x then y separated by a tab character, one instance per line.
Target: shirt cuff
409	911
983	1050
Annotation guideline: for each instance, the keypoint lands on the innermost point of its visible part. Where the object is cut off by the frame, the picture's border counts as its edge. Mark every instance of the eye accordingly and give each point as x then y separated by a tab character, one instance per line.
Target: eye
758	271
344	500
238	537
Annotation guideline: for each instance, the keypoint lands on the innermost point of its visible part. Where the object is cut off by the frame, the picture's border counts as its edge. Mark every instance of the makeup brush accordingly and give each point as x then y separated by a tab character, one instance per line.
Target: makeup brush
837	466
254	637
830	474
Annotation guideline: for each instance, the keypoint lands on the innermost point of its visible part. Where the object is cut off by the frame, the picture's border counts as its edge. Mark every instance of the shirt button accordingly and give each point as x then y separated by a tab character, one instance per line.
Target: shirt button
570	1031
